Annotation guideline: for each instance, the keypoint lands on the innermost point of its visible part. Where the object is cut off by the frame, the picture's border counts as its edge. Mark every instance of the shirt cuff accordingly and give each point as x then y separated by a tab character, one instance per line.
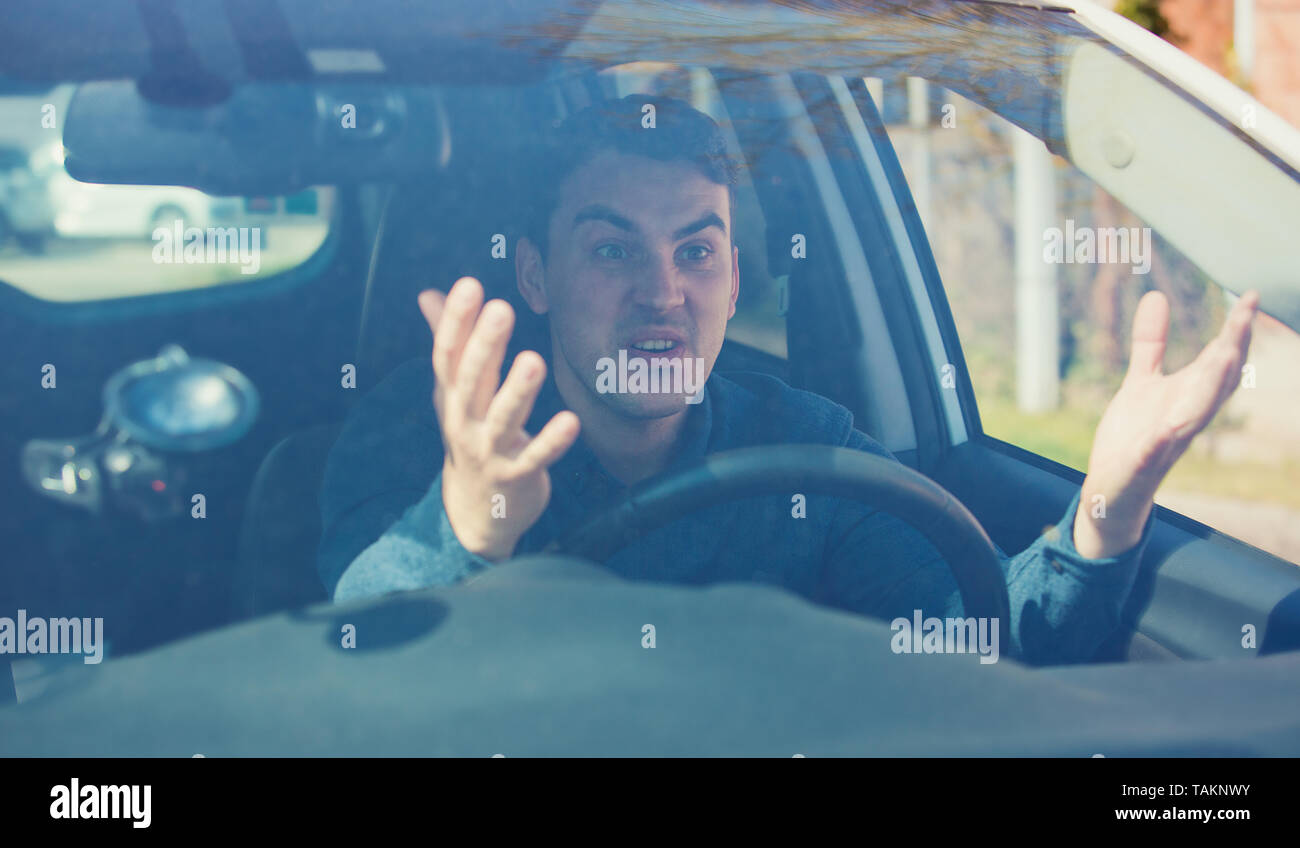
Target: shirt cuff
1061	555
420	550
443	538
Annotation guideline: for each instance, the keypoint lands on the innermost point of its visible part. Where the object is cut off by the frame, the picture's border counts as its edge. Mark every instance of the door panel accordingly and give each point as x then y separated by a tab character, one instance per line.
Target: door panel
1197	588
155	581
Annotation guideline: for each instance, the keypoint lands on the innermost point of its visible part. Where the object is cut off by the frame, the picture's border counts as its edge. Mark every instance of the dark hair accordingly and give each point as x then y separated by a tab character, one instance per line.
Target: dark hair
681	132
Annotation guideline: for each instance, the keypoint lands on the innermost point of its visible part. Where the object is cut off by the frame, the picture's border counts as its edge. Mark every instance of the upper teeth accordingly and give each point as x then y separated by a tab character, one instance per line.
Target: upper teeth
655	344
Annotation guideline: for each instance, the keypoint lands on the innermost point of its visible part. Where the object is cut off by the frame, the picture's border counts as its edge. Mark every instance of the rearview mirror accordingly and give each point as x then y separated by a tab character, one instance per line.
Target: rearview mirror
263	139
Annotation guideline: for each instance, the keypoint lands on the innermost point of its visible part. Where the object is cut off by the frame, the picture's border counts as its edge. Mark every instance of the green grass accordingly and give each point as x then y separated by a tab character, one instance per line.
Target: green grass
1065	435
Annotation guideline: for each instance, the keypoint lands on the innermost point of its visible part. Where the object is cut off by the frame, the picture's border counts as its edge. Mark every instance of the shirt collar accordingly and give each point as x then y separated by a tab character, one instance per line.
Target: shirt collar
693	445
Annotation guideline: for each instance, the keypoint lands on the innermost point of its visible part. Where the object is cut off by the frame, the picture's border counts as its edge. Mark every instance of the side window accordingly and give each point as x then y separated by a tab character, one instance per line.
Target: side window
64	240
759	321
1046	342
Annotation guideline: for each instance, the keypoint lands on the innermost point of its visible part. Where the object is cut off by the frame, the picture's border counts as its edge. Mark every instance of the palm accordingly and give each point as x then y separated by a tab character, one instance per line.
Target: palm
1154	416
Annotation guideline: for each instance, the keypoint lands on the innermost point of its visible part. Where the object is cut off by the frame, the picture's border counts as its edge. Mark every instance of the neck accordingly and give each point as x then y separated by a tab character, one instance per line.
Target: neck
631	449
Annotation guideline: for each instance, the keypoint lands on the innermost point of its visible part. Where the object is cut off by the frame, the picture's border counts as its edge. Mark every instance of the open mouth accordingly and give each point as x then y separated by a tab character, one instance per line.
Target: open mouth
656	345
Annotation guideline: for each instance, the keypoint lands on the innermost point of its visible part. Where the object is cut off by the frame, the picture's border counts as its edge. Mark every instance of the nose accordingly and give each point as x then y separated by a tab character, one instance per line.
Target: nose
659	285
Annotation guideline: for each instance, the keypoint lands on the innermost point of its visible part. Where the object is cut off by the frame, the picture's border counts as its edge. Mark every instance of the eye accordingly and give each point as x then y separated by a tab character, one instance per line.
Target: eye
616	251
705	252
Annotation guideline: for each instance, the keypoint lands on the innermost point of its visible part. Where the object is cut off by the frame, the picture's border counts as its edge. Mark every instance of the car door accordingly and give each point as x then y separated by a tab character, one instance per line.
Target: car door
872	323
86	308
963	184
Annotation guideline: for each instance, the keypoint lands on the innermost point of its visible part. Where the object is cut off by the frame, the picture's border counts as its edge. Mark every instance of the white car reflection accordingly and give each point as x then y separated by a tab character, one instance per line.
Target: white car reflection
93	210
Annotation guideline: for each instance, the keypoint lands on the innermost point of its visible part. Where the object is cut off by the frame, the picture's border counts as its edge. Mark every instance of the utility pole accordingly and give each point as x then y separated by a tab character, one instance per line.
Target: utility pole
1038	311
1243	37
918	113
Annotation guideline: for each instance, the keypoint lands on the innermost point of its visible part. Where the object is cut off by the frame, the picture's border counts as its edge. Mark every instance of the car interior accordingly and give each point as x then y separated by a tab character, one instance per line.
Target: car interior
221	637
354	303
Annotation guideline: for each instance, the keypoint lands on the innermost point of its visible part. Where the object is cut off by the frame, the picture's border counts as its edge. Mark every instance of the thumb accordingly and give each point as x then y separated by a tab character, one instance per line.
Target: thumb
431	303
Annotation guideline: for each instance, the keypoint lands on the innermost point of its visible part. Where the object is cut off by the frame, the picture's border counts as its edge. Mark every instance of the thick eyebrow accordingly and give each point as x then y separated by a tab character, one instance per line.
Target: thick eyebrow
600	212
709	219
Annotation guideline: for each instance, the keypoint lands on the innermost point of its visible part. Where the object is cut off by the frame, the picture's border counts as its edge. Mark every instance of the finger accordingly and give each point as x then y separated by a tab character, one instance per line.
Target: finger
1219	363
1211	379
1236	335
460	308
479	372
431	303
549	445
511	407
1150	332
1234	361
1236	327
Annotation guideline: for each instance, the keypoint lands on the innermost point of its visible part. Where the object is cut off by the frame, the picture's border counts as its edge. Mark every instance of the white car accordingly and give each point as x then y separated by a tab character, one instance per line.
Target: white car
25	212
95	210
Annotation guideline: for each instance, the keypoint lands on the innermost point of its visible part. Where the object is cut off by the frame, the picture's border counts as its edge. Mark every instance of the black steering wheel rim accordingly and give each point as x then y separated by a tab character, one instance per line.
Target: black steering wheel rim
874	480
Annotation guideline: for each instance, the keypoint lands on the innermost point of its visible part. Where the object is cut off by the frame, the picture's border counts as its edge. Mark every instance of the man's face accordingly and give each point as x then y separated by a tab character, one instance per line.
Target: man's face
640	258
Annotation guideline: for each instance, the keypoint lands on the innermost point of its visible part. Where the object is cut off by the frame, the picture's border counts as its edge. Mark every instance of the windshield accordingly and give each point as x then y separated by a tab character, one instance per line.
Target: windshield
250	373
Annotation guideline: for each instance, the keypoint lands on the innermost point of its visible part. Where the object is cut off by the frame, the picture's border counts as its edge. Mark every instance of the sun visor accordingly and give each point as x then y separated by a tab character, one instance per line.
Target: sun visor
265	138
504	41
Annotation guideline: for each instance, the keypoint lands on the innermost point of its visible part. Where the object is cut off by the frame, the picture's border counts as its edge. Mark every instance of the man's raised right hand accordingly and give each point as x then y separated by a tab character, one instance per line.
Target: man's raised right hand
487	451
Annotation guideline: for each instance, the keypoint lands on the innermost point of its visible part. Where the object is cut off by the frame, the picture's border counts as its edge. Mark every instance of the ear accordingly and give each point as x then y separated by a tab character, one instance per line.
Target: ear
530	276
735	280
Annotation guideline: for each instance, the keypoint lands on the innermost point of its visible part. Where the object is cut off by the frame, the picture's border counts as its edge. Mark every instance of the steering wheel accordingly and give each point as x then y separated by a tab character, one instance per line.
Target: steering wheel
851	474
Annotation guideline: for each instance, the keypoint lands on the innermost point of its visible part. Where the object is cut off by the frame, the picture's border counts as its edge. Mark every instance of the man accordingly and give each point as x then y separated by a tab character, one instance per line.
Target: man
631	258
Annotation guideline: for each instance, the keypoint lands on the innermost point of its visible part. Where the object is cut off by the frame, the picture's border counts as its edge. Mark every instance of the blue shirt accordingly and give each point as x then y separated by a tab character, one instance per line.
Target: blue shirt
385	528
